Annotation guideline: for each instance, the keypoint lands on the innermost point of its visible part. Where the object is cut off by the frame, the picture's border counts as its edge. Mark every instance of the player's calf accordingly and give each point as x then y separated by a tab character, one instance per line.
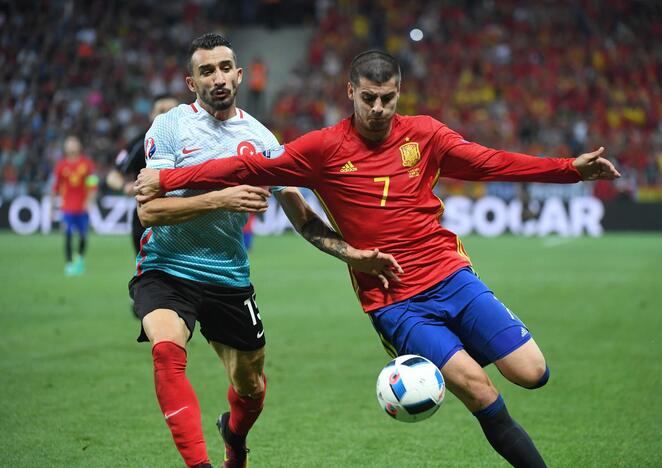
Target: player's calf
468	381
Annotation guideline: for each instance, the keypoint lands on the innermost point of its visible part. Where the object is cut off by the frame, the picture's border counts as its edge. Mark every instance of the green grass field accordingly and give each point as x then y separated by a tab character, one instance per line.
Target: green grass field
77	389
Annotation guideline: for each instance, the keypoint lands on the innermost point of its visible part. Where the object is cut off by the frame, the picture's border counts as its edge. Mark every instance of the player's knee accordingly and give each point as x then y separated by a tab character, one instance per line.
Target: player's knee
542	379
248	385
535	375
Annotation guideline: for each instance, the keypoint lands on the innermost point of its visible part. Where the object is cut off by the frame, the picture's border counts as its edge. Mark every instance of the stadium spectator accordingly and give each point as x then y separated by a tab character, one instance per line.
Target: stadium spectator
257	74
560	63
100	74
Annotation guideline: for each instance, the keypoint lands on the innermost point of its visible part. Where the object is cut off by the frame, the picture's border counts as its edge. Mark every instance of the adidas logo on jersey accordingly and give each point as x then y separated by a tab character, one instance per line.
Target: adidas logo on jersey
348	167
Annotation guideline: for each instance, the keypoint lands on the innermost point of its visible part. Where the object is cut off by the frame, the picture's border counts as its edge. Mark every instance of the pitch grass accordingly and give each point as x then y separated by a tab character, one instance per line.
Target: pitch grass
77	389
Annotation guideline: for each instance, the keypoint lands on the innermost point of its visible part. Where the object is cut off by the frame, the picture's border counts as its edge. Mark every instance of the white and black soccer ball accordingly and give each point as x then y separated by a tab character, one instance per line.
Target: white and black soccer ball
410	388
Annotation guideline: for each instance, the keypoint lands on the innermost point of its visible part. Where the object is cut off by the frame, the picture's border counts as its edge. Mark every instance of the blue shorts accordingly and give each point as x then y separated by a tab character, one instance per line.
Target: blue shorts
78	221
458	313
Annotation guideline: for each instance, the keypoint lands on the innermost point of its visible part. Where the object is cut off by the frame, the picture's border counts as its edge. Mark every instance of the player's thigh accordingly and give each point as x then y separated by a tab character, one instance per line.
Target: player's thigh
83	223
406	328
525	366
68	223
489	330
166	306
467	380
165	325
230	316
244	368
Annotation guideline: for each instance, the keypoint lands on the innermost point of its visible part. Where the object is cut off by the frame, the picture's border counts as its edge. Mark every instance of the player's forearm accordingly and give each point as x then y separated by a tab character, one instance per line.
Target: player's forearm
327	240
485	164
252	170
310	225
208	175
174	210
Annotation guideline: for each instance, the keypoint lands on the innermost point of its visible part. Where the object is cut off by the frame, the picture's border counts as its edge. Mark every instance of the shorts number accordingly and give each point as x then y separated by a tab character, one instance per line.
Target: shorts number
249	304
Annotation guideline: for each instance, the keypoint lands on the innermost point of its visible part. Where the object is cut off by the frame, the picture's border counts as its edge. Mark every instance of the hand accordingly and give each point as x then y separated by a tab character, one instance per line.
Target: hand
147	186
242	199
376	263
593	167
115	180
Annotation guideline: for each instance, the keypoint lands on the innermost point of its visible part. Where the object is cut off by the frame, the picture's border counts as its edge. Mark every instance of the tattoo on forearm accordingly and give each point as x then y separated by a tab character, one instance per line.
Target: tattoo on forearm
324	238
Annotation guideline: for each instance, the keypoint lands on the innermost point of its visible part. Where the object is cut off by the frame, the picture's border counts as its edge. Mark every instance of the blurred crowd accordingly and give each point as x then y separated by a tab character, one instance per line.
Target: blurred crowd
547	78
93	67
544	78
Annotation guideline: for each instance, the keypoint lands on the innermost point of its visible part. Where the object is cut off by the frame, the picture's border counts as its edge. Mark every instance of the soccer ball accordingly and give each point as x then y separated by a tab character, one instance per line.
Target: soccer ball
410	388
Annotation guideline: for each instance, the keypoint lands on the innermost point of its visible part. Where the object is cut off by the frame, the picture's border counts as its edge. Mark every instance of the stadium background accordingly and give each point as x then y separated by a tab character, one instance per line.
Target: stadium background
547	78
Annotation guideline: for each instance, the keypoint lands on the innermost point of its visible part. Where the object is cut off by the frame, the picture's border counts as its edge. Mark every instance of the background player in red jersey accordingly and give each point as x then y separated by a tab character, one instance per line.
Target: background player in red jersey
76	184
375	173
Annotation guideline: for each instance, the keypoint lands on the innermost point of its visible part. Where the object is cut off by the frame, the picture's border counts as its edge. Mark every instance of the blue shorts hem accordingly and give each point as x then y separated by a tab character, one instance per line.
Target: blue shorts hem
448	356
515	347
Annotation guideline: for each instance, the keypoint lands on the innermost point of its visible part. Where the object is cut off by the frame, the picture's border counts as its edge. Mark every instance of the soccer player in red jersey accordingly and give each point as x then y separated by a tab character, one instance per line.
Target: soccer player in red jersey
76	184
374	173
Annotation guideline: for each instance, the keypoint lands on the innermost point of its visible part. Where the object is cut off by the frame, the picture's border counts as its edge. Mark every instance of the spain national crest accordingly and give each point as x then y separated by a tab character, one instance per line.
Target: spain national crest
410	154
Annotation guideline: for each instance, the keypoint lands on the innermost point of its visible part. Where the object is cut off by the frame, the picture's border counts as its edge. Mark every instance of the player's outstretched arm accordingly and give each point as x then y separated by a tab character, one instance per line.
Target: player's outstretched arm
592	166
175	210
315	231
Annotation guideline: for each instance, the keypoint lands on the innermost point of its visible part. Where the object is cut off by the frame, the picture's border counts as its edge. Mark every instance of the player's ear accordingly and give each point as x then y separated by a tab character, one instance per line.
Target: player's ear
240	75
190	83
350	91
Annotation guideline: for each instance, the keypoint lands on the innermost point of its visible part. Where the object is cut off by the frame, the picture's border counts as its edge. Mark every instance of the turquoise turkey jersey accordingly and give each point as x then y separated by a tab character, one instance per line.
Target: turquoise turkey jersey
209	248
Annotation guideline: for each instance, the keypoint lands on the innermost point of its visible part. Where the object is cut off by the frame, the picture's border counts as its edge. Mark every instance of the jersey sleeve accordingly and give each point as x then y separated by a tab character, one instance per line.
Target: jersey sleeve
298	164
160	147
461	159
270	141
92	179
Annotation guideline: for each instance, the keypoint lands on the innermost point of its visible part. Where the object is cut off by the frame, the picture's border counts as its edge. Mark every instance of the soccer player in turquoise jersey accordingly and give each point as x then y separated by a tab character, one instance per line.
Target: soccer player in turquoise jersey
192	264
375	172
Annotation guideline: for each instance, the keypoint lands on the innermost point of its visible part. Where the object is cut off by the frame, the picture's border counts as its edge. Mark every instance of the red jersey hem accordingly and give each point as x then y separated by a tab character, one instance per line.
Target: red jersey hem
415	291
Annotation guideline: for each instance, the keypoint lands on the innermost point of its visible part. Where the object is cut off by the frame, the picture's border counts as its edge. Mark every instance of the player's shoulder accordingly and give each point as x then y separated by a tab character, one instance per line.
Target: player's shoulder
423	123
333	134
247	119
175	116
251	127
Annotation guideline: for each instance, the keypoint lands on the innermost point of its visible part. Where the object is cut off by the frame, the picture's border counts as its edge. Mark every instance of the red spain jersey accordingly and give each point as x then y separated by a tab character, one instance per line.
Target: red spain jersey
380	195
71	176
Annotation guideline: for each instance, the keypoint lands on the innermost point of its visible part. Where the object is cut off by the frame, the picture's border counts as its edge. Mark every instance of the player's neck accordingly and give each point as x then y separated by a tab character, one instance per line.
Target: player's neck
225	114
373	136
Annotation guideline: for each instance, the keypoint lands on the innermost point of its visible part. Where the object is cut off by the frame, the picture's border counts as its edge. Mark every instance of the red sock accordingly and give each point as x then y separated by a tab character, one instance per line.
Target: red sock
178	402
244	411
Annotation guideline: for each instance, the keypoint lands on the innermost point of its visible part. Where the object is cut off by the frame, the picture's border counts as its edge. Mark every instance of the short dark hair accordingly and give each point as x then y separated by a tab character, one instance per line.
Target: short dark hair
208	42
374	65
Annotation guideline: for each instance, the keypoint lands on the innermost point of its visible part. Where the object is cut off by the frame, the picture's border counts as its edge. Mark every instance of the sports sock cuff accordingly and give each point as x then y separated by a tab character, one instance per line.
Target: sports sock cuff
169	344
492	409
246	401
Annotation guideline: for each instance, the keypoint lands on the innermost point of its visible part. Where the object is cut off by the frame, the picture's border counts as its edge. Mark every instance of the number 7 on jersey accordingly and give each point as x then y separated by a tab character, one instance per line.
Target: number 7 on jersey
386	181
